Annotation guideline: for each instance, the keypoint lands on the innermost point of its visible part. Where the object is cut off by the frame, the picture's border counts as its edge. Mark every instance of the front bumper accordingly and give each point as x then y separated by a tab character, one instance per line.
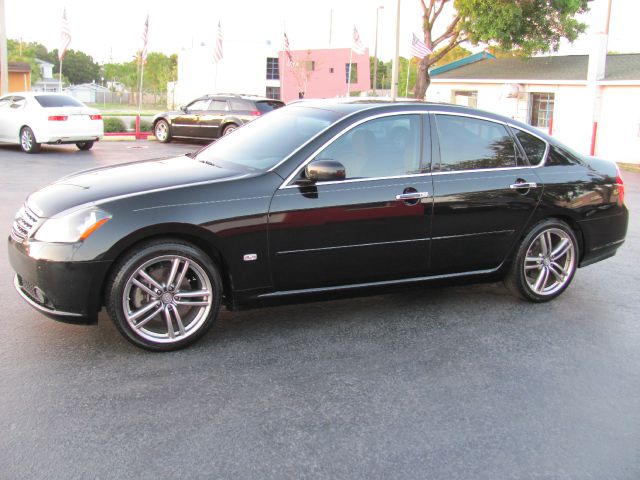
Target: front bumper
48	280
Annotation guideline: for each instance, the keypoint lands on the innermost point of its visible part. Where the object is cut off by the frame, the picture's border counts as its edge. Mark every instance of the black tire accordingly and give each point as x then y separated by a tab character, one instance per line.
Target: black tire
84	145
229	128
162	131
28	141
536	273
167	309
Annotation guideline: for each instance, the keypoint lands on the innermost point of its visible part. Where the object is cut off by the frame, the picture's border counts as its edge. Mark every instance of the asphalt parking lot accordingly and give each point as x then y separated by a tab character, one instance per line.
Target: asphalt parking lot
439	383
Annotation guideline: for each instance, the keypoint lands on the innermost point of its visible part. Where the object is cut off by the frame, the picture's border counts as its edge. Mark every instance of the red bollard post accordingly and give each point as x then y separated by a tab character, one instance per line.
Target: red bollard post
138	136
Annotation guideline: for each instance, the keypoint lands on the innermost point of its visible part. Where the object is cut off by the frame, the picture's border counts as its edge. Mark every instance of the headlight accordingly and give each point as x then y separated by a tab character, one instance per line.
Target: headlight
73	227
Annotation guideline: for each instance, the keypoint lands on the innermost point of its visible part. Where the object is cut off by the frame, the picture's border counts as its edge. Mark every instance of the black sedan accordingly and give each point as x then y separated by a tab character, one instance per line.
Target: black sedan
314	198
211	116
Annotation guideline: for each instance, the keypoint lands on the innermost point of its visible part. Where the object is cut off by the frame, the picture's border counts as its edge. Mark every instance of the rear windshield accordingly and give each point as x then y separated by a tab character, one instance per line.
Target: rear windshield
265	106
49	101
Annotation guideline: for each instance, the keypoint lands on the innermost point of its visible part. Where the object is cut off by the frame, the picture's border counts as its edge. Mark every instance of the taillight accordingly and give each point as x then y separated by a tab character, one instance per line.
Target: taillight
620	185
95	117
256	113
57	118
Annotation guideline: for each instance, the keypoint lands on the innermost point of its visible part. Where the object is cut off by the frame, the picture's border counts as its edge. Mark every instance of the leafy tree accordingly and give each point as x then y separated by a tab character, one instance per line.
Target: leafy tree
383	74
527	26
77	66
159	70
19	51
456	53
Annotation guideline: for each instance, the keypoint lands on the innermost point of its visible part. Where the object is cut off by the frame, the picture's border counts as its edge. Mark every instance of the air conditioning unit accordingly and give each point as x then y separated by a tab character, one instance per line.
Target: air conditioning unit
511	90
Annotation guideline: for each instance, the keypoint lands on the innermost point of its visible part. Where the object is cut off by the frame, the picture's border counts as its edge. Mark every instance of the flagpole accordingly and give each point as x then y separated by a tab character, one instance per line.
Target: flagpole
215	79
60	77
140	95
406	88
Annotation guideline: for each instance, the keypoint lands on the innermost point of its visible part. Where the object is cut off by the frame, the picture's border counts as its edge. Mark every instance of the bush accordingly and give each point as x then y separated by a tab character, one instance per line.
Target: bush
145	125
114	124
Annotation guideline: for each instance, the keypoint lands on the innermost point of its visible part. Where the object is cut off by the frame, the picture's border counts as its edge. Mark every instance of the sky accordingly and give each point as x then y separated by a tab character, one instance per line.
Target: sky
111	31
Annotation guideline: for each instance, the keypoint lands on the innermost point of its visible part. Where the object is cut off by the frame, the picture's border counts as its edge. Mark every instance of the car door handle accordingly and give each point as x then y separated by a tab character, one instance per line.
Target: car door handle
516	186
412	196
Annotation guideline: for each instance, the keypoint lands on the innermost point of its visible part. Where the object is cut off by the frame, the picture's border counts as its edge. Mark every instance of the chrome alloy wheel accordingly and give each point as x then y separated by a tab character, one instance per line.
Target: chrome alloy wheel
26	139
162	131
167	299
549	262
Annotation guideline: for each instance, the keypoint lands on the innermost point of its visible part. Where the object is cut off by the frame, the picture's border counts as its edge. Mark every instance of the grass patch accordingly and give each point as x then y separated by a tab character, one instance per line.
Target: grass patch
630	167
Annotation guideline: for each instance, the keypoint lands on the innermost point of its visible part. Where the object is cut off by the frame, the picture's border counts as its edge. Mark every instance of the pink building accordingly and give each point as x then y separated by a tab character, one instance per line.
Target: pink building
323	73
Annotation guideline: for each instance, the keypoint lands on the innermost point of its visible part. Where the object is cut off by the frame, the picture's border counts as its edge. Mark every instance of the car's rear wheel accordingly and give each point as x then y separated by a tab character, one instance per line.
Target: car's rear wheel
84	145
164	295
229	128
162	131
545	262
28	141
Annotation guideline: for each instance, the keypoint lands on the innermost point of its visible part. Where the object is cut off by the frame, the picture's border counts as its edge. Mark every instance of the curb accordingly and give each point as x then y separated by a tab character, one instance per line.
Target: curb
124	138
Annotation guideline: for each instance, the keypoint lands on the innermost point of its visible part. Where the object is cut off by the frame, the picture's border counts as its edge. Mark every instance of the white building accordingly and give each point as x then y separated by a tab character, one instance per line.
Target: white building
246	68
551	93
47	83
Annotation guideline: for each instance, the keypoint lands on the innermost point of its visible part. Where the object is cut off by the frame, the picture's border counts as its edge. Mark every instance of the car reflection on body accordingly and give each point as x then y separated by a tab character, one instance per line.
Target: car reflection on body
30	119
314	198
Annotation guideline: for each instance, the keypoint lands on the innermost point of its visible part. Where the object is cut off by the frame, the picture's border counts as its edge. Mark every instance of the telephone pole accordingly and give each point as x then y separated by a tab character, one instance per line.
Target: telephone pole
4	63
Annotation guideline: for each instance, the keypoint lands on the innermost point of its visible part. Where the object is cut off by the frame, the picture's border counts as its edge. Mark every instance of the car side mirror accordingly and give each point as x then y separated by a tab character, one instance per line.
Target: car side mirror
183	108
324	171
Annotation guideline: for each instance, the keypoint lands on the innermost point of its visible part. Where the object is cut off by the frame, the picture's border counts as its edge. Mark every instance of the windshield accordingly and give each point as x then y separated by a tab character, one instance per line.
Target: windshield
50	101
263	143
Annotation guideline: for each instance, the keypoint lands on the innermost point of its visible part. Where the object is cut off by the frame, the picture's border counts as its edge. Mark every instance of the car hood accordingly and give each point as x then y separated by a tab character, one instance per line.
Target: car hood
93	186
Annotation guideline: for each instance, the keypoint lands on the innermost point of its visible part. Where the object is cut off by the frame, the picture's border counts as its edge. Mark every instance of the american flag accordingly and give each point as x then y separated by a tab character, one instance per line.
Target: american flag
357	46
217	54
65	36
419	48
287	51
145	39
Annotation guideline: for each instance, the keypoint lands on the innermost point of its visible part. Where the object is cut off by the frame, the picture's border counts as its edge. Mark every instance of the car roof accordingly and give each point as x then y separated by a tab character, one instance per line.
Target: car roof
347	106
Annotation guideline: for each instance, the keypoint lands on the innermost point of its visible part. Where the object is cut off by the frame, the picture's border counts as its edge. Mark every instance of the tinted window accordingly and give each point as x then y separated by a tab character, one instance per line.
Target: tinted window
237	104
51	101
384	147
469	143
265	106
562	156
533	146
5	101
261	144
198	104
218	105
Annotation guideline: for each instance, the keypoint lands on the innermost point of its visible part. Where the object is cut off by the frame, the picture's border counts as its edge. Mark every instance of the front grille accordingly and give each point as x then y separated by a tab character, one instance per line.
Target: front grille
23	224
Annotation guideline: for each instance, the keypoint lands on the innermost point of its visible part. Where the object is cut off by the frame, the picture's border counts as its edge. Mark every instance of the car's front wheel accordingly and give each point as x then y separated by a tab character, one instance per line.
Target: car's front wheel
84	145
545	262
162	131
164	295
28	141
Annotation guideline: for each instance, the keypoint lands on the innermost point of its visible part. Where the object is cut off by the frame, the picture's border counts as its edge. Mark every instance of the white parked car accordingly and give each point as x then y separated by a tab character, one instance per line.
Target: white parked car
33	118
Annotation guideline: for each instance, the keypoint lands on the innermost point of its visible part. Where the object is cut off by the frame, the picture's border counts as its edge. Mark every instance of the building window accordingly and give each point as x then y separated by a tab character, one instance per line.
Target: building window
468	98
353	78
331	70
541	109
273	93
273	69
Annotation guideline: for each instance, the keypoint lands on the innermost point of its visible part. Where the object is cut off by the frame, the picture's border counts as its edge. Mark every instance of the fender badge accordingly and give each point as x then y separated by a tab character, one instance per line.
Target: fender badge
250	257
